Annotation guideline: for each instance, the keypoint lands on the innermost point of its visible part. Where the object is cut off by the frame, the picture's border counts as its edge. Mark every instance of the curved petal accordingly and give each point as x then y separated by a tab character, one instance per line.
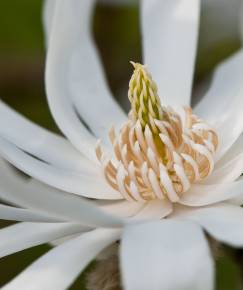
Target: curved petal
223	221
33	234
222	105
154	210
48	14
166	255
34	196
45	145
88	87
121	208
170	32
201	195
215	104
227	173
58	89
24	215
59	267
73	76
82	183
235	150
230	129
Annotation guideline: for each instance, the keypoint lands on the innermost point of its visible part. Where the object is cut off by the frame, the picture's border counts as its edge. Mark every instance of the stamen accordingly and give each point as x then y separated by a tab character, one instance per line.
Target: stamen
158	154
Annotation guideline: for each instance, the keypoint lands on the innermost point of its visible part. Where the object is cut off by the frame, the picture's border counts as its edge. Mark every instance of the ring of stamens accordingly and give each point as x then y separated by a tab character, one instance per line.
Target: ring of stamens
157	154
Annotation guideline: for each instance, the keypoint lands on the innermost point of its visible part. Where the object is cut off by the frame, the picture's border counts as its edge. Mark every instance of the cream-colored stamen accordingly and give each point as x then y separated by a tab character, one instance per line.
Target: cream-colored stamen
157	154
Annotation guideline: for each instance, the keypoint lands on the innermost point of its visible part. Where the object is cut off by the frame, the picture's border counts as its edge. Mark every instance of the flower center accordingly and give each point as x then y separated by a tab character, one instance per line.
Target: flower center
159	153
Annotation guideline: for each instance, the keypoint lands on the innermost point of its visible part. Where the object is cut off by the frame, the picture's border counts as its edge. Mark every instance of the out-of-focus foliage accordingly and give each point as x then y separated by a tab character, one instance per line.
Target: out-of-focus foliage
22	86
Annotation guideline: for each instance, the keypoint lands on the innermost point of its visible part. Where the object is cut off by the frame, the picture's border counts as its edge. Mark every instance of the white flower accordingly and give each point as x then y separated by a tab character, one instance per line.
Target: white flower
68	195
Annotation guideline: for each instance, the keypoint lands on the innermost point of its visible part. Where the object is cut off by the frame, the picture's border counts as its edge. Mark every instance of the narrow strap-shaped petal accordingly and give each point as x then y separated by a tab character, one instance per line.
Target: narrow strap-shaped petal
120	208
232	127
229	172
170	32
86	80
235	150
222	221
58	269
58	91
221	95
82	183
238	200
166	255
154	210
48	14
222	105
22	236
24	215
74	76
43	199
39	142
201	195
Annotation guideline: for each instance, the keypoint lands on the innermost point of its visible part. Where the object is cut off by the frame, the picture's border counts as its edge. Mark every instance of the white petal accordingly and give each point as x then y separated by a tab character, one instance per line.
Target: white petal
39	142
22	236
239	199
170	32
19	214
156	209
48	14
222	105
88	87
215	104
58	90
73	74
223	221
81	183
43	199
235	150
200	195
59	267
227	173
121	208
166	255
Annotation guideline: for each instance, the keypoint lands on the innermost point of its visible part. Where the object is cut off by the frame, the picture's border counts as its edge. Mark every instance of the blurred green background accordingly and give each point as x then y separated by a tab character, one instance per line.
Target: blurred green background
22	57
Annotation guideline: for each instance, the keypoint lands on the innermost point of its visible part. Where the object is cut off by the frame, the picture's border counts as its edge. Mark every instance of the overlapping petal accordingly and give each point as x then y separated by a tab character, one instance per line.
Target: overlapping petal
43	199
222	105
25	235
166	255
222	93
229	172
26	215
223	221
48	14
75	82
166	25
83	183
154	210
201	195
58	268
40	142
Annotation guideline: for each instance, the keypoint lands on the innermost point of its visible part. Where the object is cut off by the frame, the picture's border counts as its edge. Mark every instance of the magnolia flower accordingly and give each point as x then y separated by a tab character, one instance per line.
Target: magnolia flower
168	175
